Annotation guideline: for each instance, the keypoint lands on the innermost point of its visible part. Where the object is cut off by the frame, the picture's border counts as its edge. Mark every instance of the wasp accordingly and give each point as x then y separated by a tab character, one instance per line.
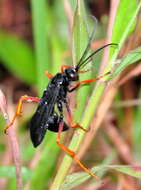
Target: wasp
55	95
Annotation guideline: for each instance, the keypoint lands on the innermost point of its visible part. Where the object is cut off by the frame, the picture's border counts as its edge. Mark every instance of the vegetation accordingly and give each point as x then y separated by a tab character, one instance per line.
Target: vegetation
110	108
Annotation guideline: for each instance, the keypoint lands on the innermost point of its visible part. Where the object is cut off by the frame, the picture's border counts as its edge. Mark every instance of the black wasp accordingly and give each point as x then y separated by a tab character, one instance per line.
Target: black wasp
55	95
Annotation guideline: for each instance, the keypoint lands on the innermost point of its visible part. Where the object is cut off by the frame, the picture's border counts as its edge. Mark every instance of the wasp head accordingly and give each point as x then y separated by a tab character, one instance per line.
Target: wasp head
72	74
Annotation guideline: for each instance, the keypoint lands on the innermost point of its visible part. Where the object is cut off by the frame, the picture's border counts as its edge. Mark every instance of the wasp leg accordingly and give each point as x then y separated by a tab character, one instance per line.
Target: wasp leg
87	81
49	75
92	80
77	126
19	107
84	71
70	120
71	153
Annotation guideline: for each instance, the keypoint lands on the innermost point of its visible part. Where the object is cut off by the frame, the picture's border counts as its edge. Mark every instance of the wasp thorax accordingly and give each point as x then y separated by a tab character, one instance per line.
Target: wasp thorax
72	74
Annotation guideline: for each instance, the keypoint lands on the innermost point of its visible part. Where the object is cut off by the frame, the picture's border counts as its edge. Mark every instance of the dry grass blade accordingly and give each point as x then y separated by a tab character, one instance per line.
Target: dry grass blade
133	73
121	146
13	141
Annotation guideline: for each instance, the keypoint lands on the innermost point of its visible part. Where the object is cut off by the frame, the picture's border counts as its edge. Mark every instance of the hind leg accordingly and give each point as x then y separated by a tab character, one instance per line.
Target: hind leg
71	153
19	108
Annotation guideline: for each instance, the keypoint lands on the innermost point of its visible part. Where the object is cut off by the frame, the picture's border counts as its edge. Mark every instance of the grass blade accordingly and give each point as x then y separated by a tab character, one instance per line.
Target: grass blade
130	58
18	57
124	24
75	179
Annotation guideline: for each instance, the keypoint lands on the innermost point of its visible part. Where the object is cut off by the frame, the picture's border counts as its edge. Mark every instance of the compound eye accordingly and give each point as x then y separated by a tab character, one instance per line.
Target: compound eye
72	73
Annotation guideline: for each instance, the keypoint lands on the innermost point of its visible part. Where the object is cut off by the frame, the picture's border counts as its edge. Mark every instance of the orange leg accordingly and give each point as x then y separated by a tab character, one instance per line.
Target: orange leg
92	80
77	126
71	153
72	125
49	75
84	71
19	108
87	81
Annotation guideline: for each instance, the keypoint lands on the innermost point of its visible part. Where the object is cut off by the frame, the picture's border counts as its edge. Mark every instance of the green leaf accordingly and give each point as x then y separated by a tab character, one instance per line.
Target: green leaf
80	33
18	57
76	179
130	58
83	27
124	22
129	170
9	172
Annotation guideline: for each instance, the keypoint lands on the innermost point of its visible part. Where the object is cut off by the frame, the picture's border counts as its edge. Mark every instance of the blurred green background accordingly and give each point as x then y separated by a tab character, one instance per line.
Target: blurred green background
36	36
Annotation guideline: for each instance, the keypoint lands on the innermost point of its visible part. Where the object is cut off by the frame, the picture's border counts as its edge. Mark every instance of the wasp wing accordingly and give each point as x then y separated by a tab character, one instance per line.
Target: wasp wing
39	122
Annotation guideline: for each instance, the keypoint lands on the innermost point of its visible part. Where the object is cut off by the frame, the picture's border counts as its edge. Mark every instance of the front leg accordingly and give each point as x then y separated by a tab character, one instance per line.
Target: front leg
87	81
73	88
